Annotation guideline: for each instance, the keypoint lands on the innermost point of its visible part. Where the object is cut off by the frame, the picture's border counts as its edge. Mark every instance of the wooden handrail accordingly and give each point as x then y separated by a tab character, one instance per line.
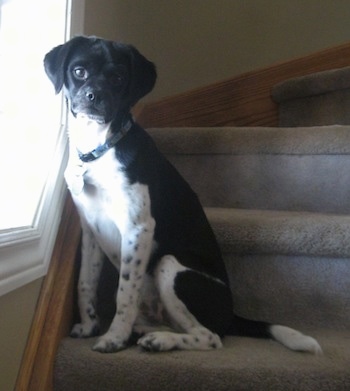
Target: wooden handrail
244	100
240	101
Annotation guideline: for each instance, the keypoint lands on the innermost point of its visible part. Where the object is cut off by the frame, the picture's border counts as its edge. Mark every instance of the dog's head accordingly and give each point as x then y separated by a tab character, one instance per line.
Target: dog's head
101	79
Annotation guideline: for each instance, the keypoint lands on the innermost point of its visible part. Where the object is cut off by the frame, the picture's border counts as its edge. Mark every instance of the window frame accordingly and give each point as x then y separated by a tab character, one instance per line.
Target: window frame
25	252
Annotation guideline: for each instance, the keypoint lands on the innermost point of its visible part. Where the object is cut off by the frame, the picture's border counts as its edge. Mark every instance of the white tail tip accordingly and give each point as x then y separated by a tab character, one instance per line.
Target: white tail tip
295	340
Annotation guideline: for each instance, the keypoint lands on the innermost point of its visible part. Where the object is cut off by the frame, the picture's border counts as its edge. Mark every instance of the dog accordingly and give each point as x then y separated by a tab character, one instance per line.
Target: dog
136	209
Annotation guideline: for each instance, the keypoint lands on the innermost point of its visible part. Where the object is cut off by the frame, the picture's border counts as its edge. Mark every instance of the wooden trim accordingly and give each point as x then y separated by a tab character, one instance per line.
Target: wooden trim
53	316
244	100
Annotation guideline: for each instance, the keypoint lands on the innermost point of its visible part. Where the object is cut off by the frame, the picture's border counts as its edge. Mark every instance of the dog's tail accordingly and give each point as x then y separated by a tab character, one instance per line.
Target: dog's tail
287	336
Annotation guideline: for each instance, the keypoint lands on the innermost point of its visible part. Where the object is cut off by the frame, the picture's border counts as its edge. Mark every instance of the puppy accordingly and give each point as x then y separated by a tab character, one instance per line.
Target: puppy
138	211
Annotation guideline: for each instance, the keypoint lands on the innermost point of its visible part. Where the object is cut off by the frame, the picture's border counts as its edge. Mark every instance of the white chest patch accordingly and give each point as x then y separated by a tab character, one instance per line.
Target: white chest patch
107	203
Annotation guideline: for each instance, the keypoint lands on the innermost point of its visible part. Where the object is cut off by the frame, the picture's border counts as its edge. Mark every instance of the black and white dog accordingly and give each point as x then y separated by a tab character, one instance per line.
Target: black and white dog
138	211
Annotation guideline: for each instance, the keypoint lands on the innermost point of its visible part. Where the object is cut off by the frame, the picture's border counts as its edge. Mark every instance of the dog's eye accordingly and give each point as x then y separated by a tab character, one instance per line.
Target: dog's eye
117	79
80	73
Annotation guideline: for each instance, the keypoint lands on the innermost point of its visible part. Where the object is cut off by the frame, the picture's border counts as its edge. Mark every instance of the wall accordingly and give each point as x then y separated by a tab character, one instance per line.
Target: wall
16	309
193	43
196	42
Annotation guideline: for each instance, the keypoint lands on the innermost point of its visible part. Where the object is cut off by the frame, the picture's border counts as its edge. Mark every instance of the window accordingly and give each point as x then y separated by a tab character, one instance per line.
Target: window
32	136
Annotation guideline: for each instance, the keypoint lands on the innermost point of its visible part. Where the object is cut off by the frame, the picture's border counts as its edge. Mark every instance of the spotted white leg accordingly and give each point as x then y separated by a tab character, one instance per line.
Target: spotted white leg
192	334
136	249
91	264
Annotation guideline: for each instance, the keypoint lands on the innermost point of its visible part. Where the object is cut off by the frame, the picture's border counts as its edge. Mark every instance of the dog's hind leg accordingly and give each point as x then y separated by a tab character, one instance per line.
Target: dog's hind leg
91	264
192	327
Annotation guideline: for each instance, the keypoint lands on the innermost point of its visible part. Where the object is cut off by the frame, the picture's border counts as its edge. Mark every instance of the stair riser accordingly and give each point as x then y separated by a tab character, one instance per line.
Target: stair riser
296	291
326	109
278	182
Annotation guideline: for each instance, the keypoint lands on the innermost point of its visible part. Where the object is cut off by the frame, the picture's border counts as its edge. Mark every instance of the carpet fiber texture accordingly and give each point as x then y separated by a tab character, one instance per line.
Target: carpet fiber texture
243	364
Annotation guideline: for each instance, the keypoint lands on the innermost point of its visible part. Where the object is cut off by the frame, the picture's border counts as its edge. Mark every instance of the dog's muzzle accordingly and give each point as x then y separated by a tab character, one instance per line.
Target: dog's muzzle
96	104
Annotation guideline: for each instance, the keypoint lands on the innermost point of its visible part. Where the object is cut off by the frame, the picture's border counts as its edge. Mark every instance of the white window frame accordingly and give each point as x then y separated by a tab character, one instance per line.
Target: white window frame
25	253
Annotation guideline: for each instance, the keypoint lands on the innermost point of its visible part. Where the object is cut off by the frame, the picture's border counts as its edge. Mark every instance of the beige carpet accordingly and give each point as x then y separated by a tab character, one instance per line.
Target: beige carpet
243	364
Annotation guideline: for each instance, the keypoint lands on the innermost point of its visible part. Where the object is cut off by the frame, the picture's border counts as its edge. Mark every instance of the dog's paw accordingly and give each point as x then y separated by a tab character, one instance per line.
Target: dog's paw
109	343
158	341
85	330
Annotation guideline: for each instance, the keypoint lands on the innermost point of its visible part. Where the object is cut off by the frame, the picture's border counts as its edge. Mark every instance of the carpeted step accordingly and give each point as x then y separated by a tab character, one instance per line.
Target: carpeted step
287	267
300	169
321	98
247	231
242	364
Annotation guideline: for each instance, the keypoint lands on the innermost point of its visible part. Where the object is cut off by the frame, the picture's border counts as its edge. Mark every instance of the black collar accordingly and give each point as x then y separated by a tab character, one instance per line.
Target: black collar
102	149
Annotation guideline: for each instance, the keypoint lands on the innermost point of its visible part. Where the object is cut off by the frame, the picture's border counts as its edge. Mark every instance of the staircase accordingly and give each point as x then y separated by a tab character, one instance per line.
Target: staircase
274	181
278	199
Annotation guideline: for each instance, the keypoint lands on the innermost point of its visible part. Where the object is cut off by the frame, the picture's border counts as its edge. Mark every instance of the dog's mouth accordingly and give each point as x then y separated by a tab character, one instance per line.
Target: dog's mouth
90	117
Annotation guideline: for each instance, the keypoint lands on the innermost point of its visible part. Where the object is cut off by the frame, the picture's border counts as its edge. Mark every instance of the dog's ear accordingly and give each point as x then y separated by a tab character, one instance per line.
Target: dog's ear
143	76
55	62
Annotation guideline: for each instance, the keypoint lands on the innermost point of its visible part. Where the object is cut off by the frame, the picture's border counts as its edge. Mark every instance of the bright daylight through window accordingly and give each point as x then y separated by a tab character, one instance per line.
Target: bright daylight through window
28	109
33	144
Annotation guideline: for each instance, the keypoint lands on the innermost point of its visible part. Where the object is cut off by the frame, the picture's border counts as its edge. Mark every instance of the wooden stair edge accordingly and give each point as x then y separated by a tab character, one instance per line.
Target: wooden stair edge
54	311
243	100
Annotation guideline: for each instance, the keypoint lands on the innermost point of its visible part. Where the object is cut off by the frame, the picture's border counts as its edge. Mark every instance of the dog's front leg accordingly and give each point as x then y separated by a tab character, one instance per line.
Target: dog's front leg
136	249
91	264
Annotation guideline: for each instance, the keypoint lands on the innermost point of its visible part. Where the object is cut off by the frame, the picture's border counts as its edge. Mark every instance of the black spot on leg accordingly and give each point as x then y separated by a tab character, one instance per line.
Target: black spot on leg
136	247
128	259
138	262
126	276
91	312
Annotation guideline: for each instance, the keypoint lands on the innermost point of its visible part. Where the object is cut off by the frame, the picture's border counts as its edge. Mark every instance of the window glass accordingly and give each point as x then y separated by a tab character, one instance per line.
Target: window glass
29	114
33	144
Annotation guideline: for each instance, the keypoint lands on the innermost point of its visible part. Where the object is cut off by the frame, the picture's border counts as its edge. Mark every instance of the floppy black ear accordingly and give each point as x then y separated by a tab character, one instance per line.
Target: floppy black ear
143	76
55	61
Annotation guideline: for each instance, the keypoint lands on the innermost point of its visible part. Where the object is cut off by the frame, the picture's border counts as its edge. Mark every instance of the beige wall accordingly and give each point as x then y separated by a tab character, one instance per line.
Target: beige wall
16	312
195	42
192	42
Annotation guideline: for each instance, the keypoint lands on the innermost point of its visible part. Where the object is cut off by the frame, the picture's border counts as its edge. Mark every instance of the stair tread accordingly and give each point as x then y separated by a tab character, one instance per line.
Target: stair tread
243	364
313	84
281	232
331	139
